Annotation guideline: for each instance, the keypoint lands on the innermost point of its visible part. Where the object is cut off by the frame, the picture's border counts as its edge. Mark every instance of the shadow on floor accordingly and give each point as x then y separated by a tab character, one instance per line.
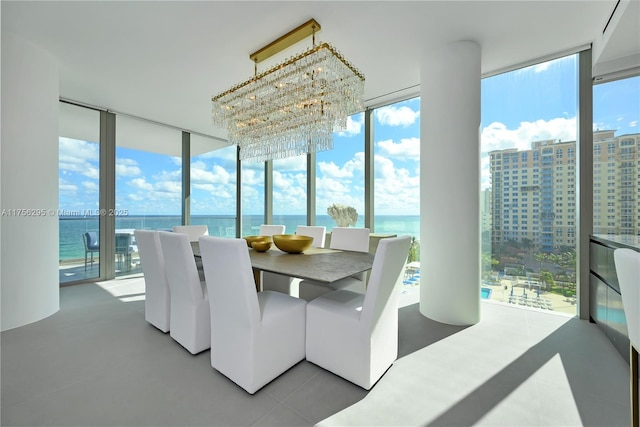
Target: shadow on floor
416	331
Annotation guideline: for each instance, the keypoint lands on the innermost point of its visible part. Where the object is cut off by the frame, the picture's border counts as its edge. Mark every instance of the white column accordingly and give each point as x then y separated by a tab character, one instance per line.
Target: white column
450	184
29	278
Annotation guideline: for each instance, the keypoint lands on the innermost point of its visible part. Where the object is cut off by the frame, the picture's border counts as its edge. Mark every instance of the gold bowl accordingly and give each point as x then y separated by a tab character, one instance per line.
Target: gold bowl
292	243
251	239
261	245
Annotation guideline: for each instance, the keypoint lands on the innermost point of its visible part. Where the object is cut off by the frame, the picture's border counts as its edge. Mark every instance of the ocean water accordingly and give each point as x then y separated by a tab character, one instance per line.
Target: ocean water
72	229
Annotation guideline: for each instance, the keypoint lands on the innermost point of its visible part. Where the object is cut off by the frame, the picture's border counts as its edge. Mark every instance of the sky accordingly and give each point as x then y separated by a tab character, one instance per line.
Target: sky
519	107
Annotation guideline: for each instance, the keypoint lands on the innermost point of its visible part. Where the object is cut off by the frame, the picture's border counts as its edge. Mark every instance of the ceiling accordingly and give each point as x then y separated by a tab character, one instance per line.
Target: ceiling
164	60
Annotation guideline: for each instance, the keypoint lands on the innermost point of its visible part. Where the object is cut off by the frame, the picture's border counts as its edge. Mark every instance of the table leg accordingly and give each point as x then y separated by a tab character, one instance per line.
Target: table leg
256	278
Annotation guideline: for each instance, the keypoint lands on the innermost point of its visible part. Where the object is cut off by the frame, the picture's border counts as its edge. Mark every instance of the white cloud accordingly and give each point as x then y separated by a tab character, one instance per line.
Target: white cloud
204	187
141	184
251	177
175	175
397	191
73	150
633	123
354	125
67	187
331	186
127	167
90	186
169	187
298	163
331	170
496	136
281	181
406	148
78	157
396	116
199	174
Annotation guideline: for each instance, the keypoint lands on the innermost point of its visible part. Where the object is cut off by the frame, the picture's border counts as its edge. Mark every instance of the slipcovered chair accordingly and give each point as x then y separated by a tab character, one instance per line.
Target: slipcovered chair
157	297
346	239
627	262
91	245
265	276
319	234
290	285
193	231
189	316
270	230
255	337
355	335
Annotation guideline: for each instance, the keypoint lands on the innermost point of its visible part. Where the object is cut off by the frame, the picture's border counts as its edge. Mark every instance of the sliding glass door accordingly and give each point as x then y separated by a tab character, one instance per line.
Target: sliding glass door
148	173
78	207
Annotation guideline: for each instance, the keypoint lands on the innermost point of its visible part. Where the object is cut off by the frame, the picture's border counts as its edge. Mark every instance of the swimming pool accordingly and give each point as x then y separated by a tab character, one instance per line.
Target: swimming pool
485	293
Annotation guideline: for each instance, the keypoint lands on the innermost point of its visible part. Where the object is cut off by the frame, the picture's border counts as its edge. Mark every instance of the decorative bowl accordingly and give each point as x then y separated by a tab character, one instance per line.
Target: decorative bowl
251	239
261	245
292	243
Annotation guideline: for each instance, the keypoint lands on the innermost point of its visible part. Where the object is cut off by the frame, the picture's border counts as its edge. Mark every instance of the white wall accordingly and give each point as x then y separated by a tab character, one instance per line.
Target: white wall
29	280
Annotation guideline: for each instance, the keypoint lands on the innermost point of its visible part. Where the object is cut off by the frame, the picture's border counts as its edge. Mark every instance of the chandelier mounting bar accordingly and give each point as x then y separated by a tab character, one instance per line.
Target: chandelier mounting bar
292	37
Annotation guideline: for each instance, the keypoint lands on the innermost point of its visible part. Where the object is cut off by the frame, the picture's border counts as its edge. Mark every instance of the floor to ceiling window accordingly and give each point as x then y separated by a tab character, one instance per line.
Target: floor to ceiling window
616	158
528	145
340	173
396	186
148	185
290	192
78	207
252	191
213	187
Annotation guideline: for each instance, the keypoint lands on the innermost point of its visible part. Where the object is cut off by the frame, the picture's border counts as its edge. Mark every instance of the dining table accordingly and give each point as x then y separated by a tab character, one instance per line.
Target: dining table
318	264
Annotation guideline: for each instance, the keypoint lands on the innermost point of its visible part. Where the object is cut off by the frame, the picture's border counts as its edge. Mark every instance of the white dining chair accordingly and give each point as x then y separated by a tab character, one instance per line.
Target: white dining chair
193	231
255	336
627	263
271	229
157	301
355	335
290	285
347	239
318	232
189	319
272	280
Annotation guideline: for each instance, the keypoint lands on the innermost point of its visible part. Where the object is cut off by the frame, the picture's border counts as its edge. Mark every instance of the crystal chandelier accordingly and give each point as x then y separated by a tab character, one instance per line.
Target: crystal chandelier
294	107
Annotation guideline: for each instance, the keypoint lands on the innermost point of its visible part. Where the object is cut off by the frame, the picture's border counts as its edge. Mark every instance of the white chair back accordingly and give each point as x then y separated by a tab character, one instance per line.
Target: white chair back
319	234
193	231
190	324
388	265
232	291
270	230
350	239
627	262
180	267
157	298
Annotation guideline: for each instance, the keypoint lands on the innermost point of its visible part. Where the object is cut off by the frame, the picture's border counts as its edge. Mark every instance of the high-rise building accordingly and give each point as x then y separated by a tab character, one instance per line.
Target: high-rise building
534	191
485	210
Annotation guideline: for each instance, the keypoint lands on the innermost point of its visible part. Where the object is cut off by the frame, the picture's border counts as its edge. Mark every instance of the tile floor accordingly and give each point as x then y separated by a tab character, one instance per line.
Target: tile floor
97	362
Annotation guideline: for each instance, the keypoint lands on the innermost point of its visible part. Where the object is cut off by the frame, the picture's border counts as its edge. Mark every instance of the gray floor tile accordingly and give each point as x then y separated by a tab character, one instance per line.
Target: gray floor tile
97	362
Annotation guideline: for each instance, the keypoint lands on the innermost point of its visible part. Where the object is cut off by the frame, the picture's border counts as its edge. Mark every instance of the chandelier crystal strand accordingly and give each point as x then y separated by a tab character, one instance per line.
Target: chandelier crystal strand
292	109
